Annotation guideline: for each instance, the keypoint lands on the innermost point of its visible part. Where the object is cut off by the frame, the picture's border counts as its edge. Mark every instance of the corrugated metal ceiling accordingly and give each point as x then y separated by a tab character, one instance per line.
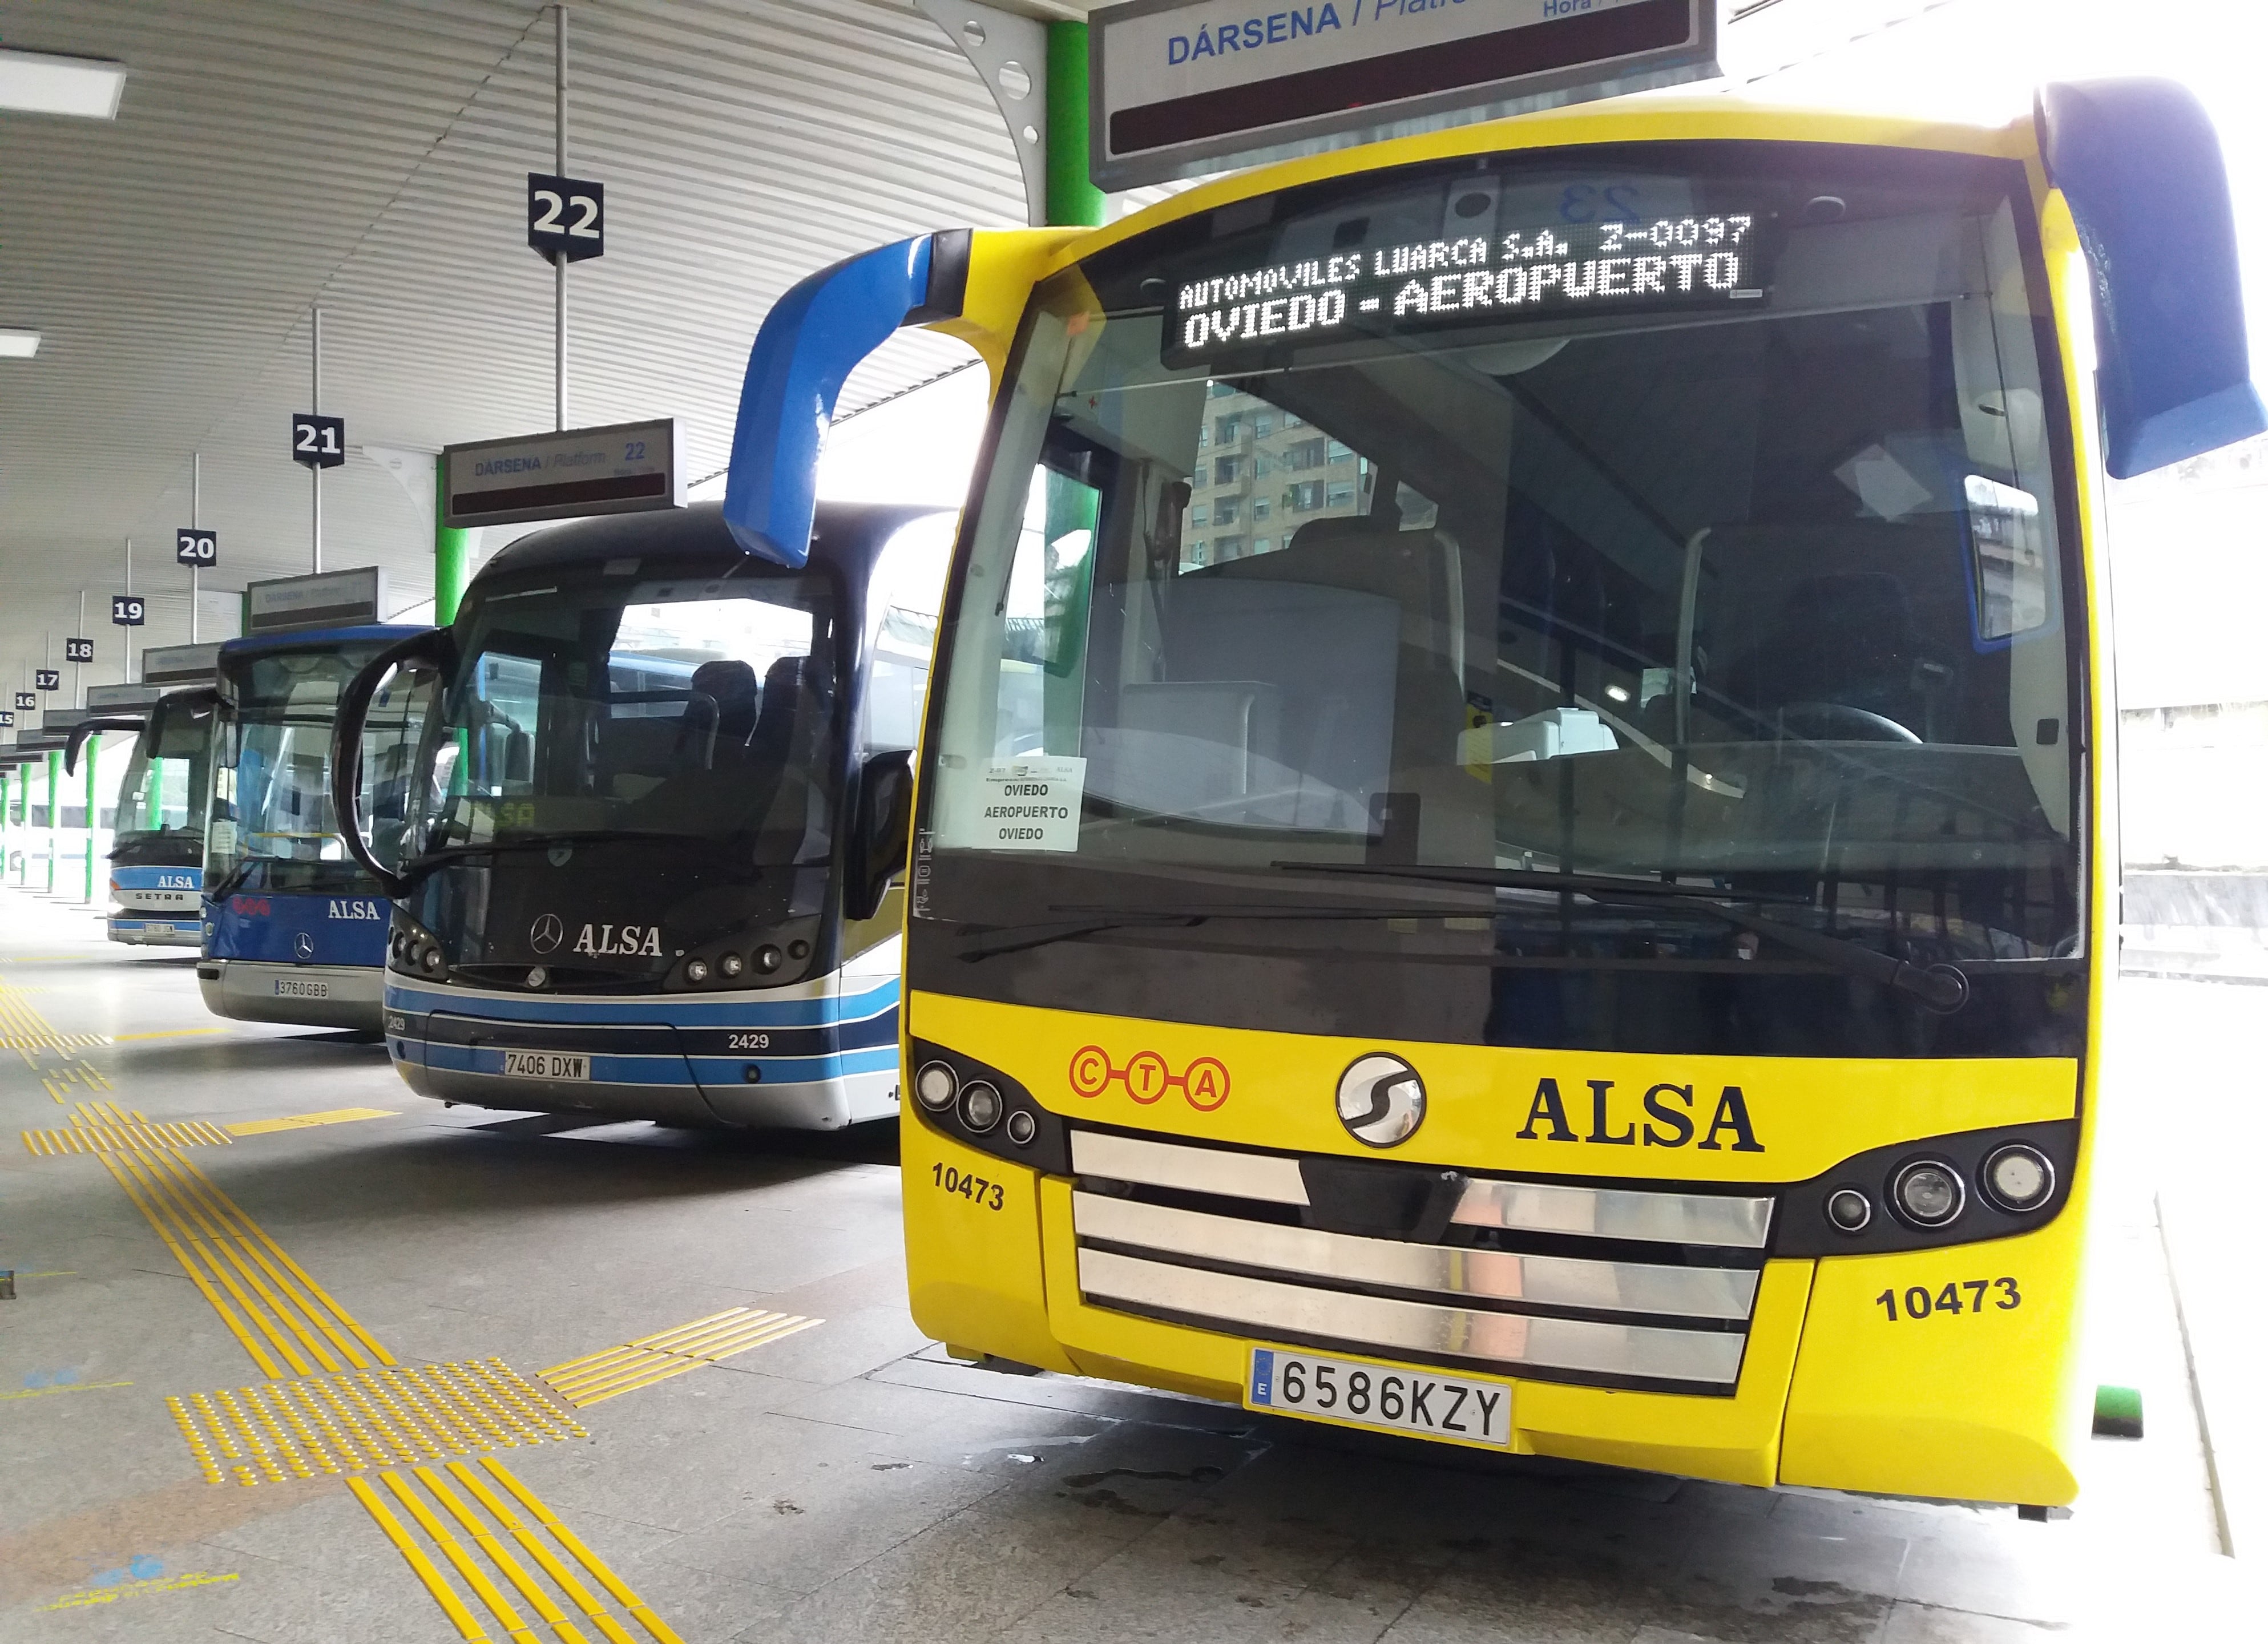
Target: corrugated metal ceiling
370	156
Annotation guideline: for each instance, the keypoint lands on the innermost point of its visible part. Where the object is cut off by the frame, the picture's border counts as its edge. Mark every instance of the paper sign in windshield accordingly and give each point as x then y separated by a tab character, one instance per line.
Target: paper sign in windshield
1032	804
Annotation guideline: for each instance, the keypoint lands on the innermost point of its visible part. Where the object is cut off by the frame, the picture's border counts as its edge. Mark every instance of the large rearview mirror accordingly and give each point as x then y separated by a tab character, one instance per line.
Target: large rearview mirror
881	832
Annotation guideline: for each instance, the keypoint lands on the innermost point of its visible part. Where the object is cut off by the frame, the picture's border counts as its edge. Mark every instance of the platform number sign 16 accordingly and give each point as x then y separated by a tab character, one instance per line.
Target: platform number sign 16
196	546
27	699
319	442
126	610
78	650
47	678
566	214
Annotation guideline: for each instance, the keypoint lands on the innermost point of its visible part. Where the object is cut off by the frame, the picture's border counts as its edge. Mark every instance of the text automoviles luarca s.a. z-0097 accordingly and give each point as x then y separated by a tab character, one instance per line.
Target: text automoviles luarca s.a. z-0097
1694	260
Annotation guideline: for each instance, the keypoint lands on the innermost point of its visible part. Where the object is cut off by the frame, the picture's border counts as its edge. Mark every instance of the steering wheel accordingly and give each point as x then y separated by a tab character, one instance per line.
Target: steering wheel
1859	724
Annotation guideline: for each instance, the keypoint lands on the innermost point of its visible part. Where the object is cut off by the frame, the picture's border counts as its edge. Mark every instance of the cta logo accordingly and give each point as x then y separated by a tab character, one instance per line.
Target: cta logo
1148	1077
606	941
1381	1100
355	907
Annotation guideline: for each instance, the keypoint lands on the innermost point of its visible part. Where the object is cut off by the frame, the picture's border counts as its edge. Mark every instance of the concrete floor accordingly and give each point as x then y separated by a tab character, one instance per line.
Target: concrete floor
845	1481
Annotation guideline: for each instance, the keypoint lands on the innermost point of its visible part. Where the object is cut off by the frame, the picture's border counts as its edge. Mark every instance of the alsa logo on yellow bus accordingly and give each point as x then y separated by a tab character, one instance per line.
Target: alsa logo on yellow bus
1663	1115
617	941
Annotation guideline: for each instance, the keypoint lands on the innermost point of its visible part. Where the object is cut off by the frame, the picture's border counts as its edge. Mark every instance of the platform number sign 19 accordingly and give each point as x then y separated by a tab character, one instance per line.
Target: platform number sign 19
47	678
193	544
126	610
78	650
566	214
319	442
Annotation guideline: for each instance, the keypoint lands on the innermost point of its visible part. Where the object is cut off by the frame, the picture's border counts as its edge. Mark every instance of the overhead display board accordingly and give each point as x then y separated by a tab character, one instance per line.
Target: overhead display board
1178	88
165	665
326	600
623	468
107	698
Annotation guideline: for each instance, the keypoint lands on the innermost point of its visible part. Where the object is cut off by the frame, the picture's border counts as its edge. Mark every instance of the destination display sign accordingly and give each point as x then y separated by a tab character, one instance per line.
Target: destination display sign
1692	259
623	468
165	665
325	599
1182	87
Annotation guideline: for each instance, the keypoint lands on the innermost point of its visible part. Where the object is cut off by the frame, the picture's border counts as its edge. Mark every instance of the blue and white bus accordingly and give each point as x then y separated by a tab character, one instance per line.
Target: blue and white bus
294	927
157	835
655	800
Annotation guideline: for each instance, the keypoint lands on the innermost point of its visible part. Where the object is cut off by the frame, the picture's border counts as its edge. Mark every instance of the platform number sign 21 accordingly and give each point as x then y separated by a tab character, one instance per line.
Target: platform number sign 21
318	441
126	610
195	546
566	214
78	650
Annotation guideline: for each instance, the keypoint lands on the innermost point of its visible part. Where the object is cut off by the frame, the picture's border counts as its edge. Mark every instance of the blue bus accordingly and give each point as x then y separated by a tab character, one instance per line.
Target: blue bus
294	927
158	836
635	810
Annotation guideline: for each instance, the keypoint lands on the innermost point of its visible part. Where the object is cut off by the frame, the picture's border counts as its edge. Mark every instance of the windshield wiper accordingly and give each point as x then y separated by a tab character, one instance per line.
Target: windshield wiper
1941	986
1087	922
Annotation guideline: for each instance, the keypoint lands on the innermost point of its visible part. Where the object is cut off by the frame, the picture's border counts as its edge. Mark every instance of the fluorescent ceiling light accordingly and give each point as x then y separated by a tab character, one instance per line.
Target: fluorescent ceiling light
18	345
35	83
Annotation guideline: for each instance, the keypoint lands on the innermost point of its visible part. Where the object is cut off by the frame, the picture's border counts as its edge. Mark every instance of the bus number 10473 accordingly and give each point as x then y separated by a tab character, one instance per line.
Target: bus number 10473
975	1189
1920	1302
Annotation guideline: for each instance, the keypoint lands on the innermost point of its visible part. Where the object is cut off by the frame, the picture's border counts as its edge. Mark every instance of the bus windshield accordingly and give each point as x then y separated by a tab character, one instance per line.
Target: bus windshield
634	697
274	827
167	790
1690	514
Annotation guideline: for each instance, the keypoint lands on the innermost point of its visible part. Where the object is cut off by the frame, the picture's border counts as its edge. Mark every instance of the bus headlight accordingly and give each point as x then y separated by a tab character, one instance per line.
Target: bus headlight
981	1106
1927	1194
696	971
2018	1178
935	1086
430	959
731	964
1849	1210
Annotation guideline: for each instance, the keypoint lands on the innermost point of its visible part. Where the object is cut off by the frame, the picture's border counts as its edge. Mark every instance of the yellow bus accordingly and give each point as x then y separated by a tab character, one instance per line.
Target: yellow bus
1515	829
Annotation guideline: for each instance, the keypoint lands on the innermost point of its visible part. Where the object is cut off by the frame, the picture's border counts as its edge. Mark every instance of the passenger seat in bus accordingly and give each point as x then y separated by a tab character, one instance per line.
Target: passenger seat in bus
721	717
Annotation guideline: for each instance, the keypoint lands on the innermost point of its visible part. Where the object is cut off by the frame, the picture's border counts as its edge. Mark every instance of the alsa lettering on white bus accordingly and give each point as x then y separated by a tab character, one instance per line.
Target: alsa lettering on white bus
1671	1116
356	907
620	941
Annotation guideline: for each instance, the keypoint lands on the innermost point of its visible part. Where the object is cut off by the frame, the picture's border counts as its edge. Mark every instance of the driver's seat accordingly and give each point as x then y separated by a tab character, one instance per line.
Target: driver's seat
1847	639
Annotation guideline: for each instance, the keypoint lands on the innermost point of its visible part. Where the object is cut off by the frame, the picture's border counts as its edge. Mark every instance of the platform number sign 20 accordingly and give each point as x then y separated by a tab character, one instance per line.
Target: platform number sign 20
78	650
195	546
126	610
47	679
318	441
566	214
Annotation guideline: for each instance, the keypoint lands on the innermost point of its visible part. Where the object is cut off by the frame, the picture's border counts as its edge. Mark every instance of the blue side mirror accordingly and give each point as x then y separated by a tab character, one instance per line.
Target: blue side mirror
808	345
2141	166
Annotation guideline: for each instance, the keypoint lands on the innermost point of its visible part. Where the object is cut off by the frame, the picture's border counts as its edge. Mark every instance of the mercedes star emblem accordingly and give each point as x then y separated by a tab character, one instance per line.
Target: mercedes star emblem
1381	1100
544	934
304	945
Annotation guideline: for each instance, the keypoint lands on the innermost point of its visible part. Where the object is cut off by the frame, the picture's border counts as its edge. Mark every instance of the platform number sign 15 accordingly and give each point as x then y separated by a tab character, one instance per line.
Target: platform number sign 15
126	610
193	544
566	214
318	441
7	717
78	650
47	678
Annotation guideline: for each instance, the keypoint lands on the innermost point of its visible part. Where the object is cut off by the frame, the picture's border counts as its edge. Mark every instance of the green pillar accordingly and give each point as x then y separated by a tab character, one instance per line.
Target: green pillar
54	767
93	755
1073	201
452	552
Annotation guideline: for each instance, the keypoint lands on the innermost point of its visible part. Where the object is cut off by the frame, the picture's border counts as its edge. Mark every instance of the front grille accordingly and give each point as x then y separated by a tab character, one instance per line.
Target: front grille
1607	1287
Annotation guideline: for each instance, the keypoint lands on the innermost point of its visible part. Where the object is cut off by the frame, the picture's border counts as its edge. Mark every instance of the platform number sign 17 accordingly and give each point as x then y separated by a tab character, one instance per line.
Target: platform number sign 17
196	546
126	610
47	679
78	650
566	214
318	441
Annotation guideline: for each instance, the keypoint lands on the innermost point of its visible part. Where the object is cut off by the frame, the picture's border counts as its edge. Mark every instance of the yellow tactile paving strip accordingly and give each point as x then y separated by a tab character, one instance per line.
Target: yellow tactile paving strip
304	1121
478	1506
114	1135
598	1376
398	1416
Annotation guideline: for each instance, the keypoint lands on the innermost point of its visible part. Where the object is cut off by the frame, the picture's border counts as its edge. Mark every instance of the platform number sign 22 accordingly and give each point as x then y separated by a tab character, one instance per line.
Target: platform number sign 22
566	214
126	610
318	441
78	650
194	545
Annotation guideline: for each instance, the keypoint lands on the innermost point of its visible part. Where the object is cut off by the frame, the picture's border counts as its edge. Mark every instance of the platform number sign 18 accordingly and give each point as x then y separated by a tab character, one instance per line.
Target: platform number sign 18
78	650
47	678
566	214
318	441
126	610
193	544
